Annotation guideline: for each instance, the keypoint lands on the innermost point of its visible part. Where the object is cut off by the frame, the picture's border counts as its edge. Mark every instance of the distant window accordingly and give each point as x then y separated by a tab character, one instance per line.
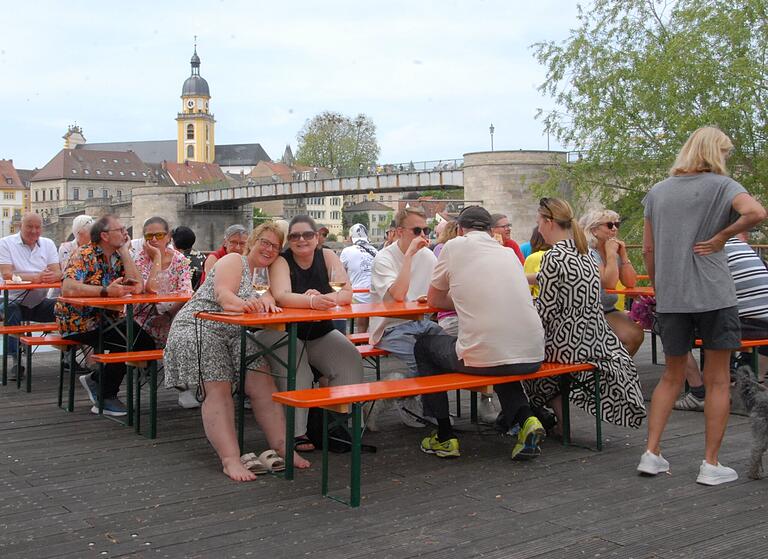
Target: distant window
143	174
190	131
51	192
115	161
86	171
6	212
133	173
103	160
74	171
43	195
90	193
119	194
190	152
8	180
75	194
104	193
110	172
36	197
58	194
9	195
122	173
98	172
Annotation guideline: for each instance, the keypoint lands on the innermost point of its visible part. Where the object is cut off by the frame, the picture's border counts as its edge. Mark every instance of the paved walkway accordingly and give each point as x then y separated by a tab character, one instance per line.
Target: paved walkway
74	485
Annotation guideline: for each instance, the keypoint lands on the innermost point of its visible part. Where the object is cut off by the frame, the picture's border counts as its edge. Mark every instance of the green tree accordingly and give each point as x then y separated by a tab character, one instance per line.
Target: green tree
259	217
332	139
636	77
349	219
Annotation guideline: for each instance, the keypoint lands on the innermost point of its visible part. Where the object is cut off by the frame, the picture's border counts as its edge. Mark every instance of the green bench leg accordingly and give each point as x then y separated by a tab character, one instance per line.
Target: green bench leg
377	361
598	412
565	390
324	475
18	363
153	399
61	379
473	407
137	406
458	403
28	372
356	469
71	395
756	362
129	390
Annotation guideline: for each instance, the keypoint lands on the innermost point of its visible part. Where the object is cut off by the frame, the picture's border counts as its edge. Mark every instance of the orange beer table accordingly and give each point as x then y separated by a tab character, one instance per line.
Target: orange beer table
289	319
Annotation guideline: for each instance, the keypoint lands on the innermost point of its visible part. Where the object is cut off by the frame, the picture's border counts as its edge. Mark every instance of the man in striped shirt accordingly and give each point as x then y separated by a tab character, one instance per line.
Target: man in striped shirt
750	276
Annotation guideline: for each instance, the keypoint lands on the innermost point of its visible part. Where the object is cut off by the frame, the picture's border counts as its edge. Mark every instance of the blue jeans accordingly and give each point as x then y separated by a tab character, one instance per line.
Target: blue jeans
43	312
399	340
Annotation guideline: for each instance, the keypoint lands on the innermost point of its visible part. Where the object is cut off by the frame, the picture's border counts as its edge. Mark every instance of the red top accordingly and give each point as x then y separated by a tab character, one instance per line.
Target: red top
218	253
514	246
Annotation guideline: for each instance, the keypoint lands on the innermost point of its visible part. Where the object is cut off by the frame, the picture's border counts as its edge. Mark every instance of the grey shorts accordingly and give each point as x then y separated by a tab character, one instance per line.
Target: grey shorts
718	329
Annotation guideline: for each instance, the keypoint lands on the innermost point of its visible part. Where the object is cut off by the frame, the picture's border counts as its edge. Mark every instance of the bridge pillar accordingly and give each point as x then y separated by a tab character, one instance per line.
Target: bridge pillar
151	200
502	180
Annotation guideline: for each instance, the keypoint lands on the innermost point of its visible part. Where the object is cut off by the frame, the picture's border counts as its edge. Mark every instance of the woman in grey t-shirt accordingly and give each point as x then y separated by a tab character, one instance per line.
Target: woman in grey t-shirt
688	218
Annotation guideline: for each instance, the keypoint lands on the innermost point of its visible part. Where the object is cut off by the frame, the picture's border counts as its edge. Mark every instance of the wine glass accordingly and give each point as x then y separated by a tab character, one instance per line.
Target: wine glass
260	280
338	280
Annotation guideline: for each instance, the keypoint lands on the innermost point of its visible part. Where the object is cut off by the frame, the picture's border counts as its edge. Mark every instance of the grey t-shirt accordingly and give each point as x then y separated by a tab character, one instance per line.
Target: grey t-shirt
683	211
607	300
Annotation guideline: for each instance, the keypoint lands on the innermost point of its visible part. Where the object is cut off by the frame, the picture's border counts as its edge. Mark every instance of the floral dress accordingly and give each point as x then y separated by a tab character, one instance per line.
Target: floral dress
176	278
204	350
576	332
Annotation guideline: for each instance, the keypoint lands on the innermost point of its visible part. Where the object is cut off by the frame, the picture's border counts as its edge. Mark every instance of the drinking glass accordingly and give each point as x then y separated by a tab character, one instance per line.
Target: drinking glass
337	281
260	281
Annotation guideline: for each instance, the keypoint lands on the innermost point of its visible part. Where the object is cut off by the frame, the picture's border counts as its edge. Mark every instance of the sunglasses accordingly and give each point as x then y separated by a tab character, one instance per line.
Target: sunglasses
612	224
265	244
155	236
544	203
420	230
306	235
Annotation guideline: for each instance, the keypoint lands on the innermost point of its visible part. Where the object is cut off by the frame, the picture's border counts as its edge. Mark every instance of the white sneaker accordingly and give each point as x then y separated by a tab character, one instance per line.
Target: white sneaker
715	475
652	464
486	411
187	399
411	411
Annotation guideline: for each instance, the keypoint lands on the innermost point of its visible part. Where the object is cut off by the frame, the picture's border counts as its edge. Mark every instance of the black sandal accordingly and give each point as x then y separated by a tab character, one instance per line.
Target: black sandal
303	441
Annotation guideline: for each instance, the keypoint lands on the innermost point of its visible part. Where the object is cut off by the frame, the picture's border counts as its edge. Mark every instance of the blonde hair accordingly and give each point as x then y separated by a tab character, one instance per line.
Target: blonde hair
705	151
401	216
450	231
561	213
592	220
270	226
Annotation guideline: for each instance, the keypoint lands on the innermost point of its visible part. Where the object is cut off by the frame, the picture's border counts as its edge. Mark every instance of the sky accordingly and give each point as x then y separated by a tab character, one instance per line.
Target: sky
433	75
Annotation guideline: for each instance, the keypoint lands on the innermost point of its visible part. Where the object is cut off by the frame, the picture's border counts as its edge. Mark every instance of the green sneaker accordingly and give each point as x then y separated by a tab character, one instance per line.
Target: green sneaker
528	440
446	449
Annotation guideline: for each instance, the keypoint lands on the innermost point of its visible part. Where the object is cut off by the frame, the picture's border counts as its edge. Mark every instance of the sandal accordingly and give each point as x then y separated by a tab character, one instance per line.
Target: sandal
303	444
254	464
272	461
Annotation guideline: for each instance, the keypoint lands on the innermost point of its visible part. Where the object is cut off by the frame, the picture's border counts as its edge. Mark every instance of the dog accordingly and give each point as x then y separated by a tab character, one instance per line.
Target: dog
755	398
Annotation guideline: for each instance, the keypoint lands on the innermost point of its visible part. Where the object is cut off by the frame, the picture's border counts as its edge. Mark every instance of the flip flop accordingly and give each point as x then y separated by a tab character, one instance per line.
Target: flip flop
253	464
270	460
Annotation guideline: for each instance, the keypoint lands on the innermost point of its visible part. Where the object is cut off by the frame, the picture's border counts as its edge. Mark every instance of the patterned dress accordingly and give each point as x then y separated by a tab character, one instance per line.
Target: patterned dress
176	278
576	332
203	349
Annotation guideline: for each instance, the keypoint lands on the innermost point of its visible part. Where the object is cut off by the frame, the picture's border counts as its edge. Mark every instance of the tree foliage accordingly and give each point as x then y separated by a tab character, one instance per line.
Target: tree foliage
332	139
636	77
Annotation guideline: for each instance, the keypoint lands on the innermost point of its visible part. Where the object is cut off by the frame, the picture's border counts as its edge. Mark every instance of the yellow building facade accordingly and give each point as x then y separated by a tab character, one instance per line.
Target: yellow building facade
195	134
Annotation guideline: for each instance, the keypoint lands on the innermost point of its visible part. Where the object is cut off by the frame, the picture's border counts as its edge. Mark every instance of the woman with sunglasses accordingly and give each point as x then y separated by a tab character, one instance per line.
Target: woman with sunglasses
210	354
575	327
301	278
601	227
164	270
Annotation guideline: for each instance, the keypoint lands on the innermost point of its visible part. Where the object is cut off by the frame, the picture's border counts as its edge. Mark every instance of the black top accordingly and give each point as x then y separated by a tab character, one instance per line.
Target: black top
314	277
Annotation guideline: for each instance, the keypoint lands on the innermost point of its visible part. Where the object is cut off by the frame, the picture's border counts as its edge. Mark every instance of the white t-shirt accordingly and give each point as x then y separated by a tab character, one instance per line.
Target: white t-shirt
498	323
13	251
386	267
359	263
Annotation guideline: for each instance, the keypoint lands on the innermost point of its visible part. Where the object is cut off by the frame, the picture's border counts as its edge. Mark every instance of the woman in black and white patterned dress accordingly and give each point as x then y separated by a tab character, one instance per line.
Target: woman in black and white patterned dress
575	326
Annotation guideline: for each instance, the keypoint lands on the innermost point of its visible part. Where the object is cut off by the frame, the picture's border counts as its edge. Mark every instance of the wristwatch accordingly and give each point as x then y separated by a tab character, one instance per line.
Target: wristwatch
104	292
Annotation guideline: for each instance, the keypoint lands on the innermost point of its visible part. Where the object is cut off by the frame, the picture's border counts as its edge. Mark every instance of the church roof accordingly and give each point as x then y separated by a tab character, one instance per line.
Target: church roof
80	164
150	151
194	172
9	177
231	155
368	206
195	86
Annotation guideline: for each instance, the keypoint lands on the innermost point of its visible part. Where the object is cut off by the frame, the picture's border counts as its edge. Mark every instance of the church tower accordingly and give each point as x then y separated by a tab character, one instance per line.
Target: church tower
195	122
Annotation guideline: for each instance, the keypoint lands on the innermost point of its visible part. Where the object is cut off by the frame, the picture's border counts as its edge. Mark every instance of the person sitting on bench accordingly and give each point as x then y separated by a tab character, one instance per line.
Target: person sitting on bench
490	342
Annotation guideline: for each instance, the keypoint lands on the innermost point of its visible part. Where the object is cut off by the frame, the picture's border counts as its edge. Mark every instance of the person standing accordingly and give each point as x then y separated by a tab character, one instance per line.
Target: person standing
30	258
357	259
688	218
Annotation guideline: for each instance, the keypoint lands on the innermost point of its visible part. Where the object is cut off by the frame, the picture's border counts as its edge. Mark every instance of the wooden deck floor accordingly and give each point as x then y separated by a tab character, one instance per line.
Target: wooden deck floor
75	485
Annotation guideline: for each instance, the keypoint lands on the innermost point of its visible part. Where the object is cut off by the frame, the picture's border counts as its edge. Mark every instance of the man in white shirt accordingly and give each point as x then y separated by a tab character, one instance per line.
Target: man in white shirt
401	272
357	260
500	332
31	258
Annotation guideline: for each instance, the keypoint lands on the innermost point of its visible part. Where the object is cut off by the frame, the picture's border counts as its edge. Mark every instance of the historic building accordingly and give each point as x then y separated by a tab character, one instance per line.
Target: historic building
14	198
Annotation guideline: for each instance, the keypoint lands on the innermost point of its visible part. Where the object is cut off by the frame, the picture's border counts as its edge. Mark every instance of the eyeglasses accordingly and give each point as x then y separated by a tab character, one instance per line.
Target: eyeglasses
121	229
155	236
306	235
508	227
612	224
420	230
265	244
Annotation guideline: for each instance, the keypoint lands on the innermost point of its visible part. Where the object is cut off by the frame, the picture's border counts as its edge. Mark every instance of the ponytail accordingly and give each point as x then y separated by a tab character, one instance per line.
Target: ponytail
578	237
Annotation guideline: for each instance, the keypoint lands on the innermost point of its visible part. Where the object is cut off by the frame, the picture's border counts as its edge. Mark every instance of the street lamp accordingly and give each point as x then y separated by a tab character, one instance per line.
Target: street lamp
491	129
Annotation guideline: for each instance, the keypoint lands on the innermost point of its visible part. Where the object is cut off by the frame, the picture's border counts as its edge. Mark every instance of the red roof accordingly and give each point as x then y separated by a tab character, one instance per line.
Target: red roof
9	178
94	165
194	172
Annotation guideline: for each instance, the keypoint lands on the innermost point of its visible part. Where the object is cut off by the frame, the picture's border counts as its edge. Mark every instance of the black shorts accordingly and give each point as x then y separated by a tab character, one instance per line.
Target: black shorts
718	329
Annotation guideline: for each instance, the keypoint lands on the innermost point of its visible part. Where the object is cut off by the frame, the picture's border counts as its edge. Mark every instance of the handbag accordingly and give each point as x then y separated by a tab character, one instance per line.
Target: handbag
339	438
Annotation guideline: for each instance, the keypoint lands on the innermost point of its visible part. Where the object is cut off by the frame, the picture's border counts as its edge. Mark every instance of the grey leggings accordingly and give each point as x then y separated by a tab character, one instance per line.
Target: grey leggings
333	355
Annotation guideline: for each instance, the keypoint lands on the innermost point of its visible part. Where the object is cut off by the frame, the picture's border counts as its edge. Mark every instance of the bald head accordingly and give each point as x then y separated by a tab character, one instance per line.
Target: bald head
31	228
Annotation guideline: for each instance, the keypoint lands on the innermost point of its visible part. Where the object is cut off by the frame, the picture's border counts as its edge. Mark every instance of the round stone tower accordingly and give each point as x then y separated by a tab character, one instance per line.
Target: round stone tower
503	179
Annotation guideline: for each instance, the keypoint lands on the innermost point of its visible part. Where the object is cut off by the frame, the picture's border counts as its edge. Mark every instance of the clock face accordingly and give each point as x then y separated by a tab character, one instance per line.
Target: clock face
190	104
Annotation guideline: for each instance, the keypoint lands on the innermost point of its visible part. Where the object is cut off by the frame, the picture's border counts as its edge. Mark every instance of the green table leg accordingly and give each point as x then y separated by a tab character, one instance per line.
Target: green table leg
29	365
241	393
5	339
565	389
324	471
598	412
756	362
153	400
129	370
137	407
290	412
473	406
71	395
356	459
61	379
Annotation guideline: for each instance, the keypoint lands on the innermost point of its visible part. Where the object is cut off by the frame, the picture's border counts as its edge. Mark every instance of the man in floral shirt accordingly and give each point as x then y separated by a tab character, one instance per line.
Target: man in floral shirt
102	268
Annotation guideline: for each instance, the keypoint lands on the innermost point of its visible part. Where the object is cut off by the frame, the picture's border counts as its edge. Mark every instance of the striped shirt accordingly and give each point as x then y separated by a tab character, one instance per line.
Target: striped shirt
750	277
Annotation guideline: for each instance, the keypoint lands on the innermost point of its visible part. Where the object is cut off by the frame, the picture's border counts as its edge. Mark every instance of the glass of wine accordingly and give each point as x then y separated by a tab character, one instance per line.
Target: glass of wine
338	280
260	281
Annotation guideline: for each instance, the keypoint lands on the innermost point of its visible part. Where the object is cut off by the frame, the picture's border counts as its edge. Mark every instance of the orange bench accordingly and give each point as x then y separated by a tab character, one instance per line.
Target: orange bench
358	339
745	344
350	398
135	360
66	346
20	330
372	356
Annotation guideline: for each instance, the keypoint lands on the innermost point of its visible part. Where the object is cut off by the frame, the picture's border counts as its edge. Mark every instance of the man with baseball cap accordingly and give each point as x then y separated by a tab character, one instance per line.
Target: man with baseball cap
500	332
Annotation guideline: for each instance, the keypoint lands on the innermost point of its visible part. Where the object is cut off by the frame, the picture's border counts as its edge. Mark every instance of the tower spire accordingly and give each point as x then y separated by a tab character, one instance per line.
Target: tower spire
195	61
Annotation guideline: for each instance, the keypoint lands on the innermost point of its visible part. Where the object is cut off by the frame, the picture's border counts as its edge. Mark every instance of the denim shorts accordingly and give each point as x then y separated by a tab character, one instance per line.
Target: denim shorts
718	329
